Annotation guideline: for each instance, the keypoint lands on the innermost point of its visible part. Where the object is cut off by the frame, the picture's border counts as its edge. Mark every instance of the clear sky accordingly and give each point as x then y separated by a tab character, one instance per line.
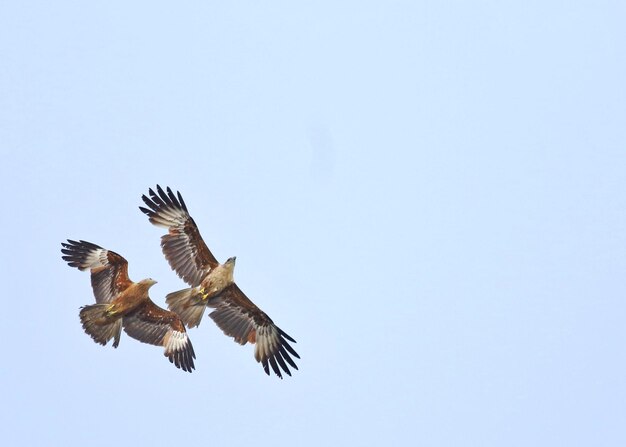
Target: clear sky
429	196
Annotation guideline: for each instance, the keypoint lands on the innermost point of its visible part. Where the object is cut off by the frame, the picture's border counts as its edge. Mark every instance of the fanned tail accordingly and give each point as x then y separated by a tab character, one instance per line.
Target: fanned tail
98	326
188	304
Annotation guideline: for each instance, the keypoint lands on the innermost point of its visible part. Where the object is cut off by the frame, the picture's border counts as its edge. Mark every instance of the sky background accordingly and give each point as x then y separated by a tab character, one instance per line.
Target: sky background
430	197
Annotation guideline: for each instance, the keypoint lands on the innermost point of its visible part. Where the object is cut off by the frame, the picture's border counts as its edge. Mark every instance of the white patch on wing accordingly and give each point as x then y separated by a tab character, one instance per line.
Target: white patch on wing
176	215
175	341
171	216
266	342
161	222
95	258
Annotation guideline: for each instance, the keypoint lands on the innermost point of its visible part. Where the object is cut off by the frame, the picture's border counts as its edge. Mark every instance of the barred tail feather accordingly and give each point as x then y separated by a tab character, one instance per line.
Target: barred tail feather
188	304
98	326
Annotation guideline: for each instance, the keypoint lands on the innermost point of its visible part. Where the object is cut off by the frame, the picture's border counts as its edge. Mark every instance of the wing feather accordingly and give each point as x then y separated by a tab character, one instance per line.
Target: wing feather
183	246
156	326
240	318
109	271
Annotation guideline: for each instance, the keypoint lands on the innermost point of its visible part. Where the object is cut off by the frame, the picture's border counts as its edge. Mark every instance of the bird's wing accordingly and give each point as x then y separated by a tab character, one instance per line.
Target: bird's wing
240	318
109	271
183	246
151	324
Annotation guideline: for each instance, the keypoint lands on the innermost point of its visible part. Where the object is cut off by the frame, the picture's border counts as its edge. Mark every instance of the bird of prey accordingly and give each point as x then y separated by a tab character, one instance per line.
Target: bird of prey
212	285
123	303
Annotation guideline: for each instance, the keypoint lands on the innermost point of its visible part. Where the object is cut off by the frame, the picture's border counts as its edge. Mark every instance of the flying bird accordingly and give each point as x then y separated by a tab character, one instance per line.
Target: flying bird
212	285
123	303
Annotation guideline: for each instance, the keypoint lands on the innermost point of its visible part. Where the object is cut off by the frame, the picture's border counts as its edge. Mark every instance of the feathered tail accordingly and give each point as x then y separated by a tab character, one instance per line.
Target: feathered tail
188	304
98	326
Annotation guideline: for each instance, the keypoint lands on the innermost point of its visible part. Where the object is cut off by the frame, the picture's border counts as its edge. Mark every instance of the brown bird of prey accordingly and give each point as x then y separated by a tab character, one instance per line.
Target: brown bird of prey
212	285
123	303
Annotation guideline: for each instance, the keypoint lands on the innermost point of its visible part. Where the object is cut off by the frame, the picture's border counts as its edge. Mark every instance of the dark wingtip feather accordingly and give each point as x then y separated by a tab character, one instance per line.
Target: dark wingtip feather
189	355
162	193
266	367
275	367
284	334
290	349
282	364
146	211
153	206
286	356
84	245
173	198
75	252
182	202
184	359
155	197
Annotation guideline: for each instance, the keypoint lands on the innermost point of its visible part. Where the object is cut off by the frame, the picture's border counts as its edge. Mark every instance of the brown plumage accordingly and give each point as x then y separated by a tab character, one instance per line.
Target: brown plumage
123	303
212	285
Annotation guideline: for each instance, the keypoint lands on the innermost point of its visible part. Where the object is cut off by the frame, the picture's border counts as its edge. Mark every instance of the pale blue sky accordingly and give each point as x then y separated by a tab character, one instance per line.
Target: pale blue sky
428	196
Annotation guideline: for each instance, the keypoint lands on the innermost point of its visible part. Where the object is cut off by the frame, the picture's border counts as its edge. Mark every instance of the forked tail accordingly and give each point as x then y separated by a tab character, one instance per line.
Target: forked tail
188	304
98	326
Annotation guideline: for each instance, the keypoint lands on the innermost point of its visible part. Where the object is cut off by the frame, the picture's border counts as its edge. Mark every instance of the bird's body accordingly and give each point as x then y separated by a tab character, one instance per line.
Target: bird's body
122	303
212	285
190	303
217	279
135	295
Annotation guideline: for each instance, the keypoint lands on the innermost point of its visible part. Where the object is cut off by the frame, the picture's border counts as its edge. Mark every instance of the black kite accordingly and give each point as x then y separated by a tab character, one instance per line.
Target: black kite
212	285
123	303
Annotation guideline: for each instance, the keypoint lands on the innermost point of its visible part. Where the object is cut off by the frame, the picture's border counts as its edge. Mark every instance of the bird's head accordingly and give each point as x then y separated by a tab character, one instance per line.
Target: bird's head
229	266
149	282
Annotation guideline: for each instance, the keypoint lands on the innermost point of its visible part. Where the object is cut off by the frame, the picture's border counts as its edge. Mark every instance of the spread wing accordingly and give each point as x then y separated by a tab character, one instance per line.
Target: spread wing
109	271
183	246
240	318
151	324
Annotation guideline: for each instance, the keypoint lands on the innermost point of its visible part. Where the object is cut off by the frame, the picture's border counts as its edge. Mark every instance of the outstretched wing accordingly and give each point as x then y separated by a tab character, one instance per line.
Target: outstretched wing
151	324
109	271
183	246
240	318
